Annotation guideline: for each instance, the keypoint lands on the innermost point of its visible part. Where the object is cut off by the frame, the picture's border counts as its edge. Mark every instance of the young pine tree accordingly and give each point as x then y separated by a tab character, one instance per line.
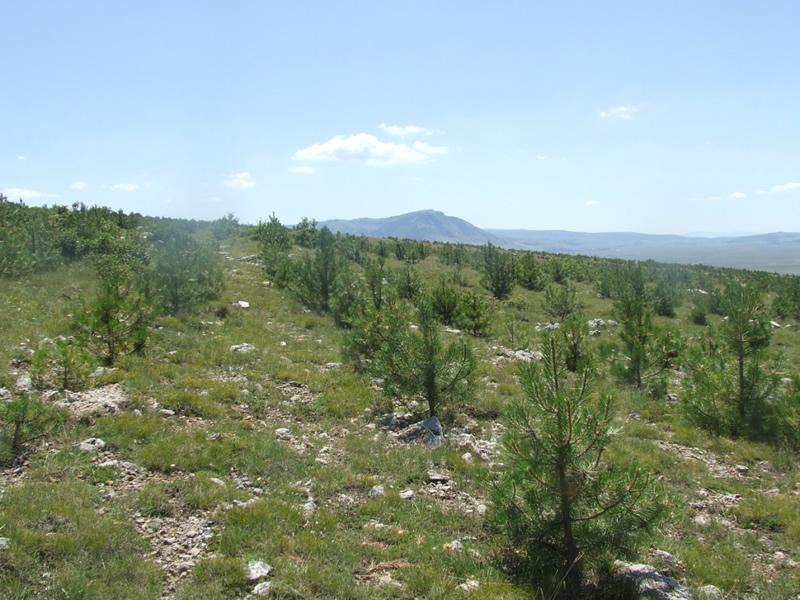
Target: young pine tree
498	271
22	421
315	276
274	241
561	302
632	308
418	363
185	273
561	505
746	331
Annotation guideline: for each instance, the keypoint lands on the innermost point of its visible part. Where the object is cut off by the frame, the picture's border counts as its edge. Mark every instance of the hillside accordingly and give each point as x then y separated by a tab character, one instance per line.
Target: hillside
779	252
241	445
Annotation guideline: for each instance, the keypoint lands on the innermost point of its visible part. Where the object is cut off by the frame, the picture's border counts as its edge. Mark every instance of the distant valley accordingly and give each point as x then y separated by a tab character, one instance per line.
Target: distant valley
778	252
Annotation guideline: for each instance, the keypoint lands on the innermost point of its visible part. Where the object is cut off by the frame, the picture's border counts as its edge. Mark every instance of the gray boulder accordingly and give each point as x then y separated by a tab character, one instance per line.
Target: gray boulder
646	582
429	432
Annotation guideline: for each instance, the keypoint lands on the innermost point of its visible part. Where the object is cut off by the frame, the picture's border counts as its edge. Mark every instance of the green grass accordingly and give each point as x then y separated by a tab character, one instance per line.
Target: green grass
227	407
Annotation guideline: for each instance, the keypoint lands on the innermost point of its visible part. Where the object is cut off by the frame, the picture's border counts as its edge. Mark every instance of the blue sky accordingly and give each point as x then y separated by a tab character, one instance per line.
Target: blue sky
665	117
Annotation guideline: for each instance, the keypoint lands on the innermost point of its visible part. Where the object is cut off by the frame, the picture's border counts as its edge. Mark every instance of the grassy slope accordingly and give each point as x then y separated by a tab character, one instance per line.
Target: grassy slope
62	523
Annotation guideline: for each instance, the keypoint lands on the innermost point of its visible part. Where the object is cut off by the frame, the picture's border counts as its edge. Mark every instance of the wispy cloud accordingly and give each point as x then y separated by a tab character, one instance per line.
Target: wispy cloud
626	111
792	186
366	148
302	170
542	157
79	186
125	187
240	181
591	203
405	130
737	196
26	194
20	157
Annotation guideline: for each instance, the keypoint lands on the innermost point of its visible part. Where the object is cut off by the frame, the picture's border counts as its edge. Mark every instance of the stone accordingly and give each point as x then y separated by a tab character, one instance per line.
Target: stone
406	494
377	490
104	400
283	434
242	348
167	412
309	507
434	477
24	383
5	394
453	547
257	569
262	589
742	469
243	304
528	355
711	592
4	543
646	582
428	431
664	560
467	457
470	585
396	421
92	445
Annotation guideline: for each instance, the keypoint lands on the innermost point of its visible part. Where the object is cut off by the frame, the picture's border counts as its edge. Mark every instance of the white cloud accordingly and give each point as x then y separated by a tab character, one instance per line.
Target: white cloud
79	186
366	148
793	186
737	196
405	130
302	170
626	111
20	157
542	157
240	181
591	203
26	194
125	187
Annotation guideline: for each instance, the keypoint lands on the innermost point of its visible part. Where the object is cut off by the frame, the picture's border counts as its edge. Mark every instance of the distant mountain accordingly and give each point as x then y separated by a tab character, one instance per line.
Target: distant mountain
430	225
770	252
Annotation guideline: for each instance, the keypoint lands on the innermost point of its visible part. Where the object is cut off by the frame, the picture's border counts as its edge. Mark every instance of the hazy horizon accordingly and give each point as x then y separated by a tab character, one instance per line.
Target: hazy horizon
671	119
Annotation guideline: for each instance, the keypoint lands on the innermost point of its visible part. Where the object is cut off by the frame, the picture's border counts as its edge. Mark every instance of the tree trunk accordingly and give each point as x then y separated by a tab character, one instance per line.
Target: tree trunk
571	570
742	411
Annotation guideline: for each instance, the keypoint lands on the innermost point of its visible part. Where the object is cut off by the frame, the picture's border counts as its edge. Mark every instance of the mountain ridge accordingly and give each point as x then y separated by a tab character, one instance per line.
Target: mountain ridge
775	251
